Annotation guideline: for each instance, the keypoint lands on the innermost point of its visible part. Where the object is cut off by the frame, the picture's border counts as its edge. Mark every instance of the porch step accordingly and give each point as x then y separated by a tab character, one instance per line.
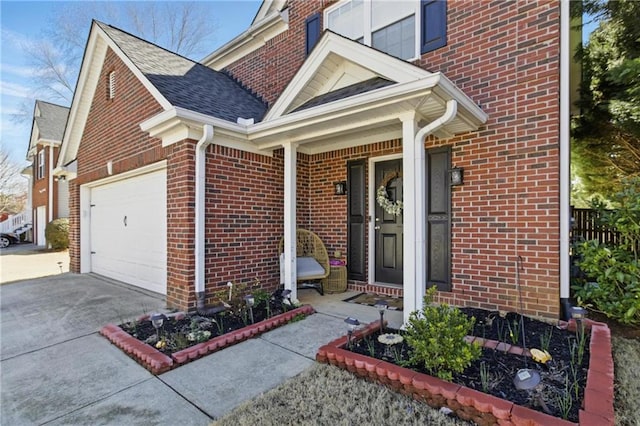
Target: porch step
23	229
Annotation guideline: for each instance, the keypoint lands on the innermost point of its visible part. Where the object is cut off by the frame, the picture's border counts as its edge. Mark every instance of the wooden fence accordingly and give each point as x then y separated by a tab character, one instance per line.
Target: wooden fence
585	227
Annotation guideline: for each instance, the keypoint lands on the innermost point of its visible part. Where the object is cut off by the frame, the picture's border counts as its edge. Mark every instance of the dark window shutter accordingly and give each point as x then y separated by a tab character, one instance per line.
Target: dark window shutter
433	33
438	218
356	220
313	31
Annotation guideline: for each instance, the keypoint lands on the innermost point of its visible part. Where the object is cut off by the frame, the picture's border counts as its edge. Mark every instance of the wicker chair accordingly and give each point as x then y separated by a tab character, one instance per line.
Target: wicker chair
312	260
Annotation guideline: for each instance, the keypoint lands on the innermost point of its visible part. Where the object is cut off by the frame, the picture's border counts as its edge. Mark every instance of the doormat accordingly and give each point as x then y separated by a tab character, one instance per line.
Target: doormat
370	299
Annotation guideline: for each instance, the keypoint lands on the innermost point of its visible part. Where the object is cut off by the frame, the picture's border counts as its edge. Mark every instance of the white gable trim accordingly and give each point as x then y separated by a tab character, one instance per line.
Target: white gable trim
88	81
250	40
378	63
268	7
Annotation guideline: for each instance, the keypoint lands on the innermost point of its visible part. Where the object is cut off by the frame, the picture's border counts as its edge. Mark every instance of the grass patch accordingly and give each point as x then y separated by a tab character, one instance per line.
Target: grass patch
326	395
626	358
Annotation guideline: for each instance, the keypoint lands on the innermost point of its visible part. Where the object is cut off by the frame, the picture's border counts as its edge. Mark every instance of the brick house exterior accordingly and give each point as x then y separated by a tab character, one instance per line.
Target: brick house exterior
306	118
49	195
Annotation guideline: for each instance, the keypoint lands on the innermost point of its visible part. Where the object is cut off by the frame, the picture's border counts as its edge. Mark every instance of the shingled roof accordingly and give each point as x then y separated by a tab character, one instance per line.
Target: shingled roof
51	121
186	83
345	92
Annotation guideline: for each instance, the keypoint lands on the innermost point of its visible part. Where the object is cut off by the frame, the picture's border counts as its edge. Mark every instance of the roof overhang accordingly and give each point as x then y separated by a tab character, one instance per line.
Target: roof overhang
336	65
366	118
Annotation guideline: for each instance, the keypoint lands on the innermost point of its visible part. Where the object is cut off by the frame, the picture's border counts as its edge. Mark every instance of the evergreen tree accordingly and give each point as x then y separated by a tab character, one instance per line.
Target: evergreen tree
606	135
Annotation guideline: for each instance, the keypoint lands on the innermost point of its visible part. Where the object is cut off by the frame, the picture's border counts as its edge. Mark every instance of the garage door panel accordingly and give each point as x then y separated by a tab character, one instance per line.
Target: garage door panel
128	230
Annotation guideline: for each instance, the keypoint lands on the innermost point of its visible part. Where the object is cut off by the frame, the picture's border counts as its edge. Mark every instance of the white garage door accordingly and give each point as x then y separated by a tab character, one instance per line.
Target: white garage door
129	229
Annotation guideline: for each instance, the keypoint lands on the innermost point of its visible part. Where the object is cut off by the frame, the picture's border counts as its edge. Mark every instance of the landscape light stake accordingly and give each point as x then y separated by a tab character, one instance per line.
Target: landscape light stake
526	378
157	319
578	313
250	301
352	324
381	306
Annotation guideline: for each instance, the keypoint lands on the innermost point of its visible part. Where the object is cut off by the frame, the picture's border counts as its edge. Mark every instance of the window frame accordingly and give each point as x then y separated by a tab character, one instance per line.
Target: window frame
40	164
369	29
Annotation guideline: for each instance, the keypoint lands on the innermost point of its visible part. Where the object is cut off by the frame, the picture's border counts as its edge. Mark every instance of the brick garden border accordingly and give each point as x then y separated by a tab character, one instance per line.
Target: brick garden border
470	404
157	362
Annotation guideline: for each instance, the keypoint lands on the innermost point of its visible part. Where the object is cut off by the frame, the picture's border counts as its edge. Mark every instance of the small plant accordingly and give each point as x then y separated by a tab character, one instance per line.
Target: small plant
297	317
545	339
436	337
220	324
514	334
581	340
564	401
485	377
397	355
371	347
502	330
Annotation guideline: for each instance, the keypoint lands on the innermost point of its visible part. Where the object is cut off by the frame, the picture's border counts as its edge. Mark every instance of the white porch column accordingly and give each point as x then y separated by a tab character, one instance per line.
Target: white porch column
290	171
412	188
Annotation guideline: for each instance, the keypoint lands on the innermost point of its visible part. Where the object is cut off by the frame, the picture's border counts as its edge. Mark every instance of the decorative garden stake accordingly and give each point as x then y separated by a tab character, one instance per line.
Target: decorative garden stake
352	324
250	301
230	285
157	319
381	306
388	340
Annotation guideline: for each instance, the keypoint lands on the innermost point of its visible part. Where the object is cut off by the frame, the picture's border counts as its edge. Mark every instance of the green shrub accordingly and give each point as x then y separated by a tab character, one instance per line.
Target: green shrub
57	233
615	269
436	337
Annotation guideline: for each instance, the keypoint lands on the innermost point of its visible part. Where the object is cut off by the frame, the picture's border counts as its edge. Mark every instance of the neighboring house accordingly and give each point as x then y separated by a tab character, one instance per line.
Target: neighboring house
48	195
189	174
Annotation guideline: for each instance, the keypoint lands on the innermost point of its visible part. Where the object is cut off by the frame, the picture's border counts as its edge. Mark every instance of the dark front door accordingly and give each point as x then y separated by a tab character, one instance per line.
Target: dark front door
388	226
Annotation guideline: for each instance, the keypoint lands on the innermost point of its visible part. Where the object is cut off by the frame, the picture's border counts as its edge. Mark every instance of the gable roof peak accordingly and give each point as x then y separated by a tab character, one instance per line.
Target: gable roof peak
338	63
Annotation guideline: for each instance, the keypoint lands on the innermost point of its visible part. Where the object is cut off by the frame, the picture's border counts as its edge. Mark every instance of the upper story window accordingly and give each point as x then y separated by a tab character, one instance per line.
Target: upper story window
40	165
405	29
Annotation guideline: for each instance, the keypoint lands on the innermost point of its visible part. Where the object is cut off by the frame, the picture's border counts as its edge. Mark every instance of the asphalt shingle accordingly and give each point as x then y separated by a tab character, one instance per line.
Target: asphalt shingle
186	83
345	92
51	121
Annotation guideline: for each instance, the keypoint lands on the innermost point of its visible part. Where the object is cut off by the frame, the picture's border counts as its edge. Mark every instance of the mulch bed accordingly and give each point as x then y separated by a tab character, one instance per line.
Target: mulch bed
503	364
184	338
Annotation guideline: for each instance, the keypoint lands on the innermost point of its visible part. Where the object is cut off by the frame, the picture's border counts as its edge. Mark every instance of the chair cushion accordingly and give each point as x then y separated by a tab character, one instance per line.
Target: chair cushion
308	267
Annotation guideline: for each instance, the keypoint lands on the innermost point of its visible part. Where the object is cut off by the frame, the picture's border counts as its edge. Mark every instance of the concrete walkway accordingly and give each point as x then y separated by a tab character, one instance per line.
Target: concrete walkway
57	370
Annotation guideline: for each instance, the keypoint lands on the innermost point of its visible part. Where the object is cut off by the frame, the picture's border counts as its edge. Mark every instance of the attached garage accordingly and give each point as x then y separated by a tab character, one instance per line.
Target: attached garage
128	228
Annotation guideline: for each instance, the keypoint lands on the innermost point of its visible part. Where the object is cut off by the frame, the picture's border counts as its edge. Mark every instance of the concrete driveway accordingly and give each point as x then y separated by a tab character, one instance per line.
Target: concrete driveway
56	369
25	261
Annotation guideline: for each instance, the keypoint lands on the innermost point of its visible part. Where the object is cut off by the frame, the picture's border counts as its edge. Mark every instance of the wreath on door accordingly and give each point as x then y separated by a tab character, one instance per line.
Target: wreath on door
382	195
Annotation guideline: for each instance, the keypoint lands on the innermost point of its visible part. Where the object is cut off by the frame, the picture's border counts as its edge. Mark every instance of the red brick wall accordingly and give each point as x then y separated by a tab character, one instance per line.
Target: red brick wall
74	227
112	133
269	69
40	189
505	56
